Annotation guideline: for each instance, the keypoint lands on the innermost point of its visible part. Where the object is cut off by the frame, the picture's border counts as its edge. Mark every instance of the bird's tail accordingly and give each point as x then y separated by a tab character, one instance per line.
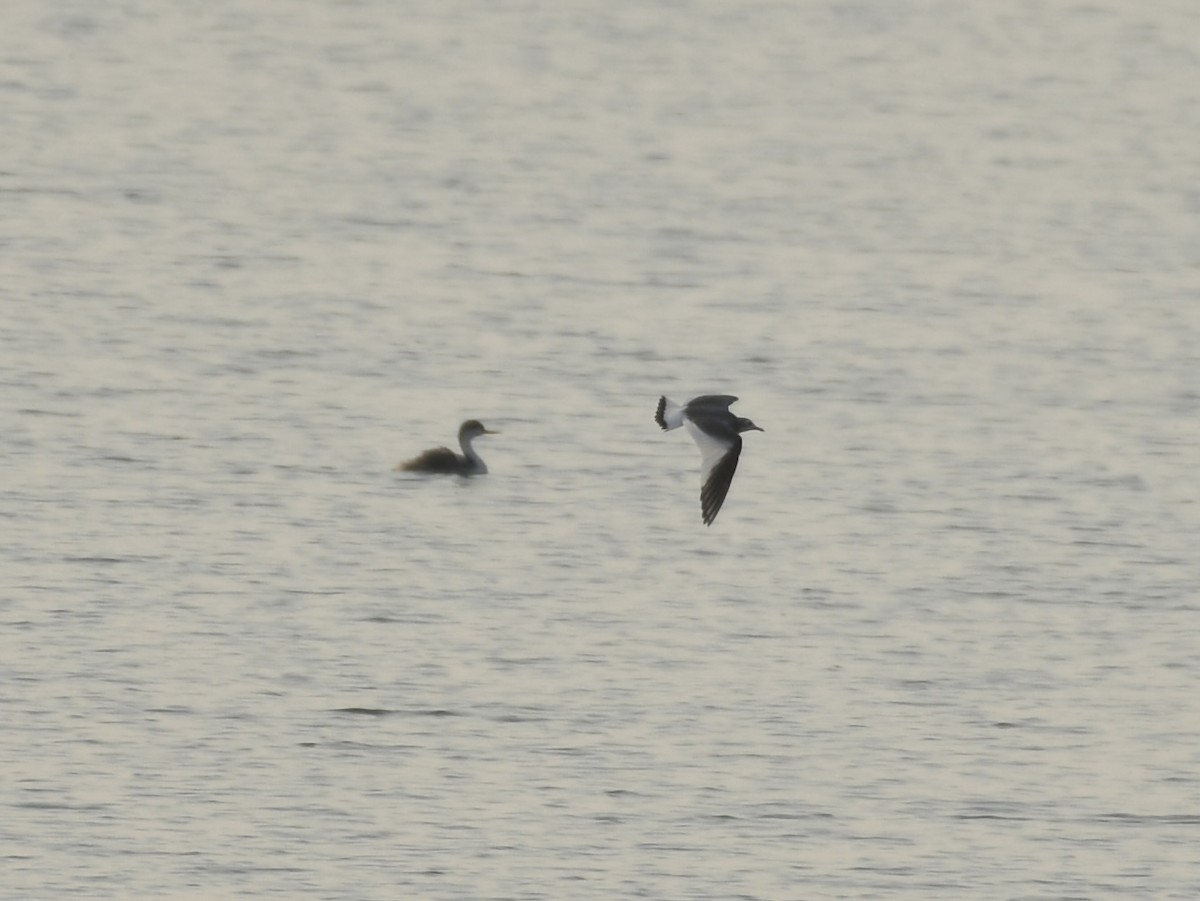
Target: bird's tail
669	414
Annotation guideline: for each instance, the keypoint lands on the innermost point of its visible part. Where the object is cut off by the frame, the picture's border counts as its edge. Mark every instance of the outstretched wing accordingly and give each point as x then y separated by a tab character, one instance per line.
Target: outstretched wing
718	462
711	402
716	482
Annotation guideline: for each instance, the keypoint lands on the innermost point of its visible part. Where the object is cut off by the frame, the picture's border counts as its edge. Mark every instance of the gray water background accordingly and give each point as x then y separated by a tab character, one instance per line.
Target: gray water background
940	643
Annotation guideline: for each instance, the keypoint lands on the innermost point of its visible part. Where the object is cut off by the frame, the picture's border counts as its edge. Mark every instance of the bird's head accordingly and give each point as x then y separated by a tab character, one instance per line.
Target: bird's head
473	428
745	425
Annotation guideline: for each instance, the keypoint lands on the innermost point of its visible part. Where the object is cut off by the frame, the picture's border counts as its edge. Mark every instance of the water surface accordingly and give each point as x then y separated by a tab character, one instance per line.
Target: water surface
940	642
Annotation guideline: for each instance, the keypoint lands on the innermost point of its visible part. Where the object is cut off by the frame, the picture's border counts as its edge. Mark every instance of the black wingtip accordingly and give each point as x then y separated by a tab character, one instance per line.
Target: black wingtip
716	486
658	414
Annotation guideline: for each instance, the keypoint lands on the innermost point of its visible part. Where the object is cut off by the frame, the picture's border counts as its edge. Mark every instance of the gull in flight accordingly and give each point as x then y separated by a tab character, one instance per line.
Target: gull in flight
717	432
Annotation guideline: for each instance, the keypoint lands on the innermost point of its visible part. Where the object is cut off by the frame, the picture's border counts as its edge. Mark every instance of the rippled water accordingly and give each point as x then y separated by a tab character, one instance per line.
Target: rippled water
941	641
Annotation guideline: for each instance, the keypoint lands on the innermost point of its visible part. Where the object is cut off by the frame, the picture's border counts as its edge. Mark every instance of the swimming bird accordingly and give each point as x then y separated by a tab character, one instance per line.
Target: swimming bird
717	432
442	460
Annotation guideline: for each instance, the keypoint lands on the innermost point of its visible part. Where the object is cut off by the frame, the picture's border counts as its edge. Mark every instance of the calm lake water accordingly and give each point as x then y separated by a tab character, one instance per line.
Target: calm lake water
943	640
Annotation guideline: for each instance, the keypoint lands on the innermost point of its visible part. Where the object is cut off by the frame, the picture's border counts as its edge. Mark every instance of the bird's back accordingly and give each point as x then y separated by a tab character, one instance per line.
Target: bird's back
437	459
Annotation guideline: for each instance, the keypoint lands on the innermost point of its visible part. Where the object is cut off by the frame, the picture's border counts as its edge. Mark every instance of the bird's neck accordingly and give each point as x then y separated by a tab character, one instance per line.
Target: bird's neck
473	458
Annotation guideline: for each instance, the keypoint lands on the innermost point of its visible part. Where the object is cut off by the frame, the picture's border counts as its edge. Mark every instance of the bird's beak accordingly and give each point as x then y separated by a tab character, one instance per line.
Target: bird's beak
490	432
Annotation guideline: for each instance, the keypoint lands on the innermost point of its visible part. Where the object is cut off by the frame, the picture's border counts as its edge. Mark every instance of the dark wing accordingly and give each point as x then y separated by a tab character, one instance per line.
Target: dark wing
717	480
436	459
711	402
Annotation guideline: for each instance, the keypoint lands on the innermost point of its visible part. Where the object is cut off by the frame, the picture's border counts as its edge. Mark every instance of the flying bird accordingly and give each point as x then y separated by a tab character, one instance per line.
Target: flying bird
717	432
443	461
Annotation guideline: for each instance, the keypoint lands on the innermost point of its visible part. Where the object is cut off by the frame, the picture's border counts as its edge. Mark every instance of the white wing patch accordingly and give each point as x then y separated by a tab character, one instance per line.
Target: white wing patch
712	450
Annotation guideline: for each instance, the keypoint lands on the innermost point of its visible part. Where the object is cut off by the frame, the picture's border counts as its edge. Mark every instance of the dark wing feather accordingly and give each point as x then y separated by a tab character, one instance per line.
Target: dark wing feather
716	486
658	413
436	459
711	402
